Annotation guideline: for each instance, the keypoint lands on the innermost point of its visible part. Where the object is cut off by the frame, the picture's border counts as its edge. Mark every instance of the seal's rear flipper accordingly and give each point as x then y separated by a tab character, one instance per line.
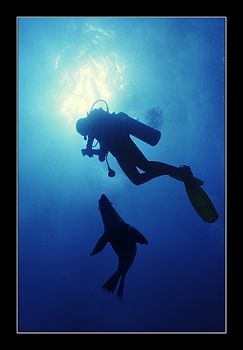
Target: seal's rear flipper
100	245
121	286
111	283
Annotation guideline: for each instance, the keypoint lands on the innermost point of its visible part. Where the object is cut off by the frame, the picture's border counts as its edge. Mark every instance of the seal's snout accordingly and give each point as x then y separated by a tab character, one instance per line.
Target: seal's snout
103	200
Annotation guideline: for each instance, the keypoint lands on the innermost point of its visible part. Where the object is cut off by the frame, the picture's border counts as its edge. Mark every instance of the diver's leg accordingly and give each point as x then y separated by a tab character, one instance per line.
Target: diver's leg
131	172
134	175
129	156
154	170
182	173
132	158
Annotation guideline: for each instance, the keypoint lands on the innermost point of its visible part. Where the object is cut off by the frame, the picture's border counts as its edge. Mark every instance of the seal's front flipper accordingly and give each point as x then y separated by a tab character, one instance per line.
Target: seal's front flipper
100	245
138	237
202	203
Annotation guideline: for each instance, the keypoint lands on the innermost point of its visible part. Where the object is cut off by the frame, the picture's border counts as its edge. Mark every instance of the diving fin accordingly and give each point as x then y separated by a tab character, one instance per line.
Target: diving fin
201	203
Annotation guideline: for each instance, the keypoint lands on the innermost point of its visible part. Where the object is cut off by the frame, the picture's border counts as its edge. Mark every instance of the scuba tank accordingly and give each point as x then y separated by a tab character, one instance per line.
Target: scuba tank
134	127
140	130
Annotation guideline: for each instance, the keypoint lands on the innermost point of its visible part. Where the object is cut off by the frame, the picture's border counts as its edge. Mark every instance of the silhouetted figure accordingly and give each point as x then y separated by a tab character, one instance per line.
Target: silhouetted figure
113	131
123	239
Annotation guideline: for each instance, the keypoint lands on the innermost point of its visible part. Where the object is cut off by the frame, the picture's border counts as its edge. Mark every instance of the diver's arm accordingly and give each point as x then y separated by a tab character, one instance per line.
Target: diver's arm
102	153
90	143
88	150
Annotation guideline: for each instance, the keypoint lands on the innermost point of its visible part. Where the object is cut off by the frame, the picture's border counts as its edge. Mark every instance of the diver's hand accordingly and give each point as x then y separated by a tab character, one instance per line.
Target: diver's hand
87	152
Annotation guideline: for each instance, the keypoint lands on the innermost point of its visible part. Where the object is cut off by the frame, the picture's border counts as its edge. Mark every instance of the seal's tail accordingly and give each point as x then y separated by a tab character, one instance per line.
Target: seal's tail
111	283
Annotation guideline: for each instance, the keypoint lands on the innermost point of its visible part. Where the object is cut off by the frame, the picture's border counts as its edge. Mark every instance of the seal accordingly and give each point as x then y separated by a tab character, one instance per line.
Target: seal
123	239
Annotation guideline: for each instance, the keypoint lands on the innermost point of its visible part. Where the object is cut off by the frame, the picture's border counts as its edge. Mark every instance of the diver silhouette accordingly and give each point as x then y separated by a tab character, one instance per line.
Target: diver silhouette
112	131
123	239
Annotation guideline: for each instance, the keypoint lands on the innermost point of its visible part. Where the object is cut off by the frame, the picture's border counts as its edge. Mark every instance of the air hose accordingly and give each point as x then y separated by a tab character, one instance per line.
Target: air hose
111	172
107	108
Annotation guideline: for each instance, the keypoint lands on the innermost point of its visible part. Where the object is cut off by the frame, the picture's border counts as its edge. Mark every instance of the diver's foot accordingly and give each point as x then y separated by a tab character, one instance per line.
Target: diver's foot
187	176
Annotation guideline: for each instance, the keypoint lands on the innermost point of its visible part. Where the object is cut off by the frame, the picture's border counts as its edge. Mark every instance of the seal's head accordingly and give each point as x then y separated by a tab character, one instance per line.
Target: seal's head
103	201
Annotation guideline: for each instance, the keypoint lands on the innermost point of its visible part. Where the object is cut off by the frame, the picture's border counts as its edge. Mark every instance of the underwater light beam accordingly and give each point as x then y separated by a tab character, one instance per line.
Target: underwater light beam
99	78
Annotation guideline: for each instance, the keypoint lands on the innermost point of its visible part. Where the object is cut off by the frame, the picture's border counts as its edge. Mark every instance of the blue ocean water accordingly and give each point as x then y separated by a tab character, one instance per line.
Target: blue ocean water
174	65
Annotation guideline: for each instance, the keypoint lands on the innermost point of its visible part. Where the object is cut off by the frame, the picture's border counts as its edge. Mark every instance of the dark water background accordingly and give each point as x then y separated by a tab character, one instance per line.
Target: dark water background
173	65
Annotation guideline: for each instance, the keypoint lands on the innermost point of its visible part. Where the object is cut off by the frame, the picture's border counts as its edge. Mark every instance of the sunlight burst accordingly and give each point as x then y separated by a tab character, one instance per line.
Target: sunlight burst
100	78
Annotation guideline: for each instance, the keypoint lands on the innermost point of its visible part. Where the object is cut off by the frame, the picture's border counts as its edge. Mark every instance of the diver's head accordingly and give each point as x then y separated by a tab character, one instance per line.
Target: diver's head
97	112
81	126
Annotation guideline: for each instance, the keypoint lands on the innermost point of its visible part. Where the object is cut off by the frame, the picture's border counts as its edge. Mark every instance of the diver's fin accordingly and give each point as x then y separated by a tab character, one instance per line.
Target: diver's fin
100	245
111	283
139	238
202	203
184	173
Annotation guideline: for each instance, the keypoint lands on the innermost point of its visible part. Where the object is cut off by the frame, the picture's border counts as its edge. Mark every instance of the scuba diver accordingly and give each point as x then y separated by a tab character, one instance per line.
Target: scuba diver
112	132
